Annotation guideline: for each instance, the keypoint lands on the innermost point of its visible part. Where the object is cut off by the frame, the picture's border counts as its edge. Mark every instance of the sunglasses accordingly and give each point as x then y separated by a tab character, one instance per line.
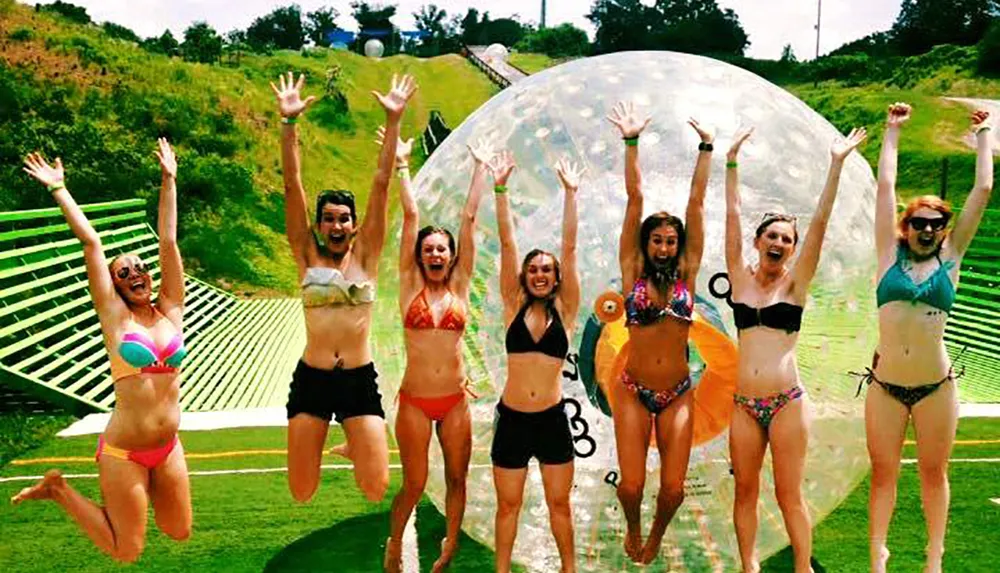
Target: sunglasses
140	270
779	217
920	223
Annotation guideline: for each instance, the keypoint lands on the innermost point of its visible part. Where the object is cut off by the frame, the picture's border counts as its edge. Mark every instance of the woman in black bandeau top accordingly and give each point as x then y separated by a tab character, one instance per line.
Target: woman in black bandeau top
540	303
767	303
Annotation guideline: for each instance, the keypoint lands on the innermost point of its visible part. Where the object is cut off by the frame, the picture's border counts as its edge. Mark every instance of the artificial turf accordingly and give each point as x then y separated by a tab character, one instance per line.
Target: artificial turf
248	522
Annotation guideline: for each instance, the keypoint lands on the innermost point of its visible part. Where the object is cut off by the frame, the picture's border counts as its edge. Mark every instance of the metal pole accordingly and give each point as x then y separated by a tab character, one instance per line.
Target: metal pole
543	15
819	15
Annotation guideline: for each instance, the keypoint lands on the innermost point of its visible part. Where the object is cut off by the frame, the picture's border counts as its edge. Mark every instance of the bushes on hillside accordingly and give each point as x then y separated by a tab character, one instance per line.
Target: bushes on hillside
563	41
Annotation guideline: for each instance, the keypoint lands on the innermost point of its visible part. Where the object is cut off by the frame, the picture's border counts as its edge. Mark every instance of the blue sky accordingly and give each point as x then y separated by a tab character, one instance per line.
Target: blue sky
770	23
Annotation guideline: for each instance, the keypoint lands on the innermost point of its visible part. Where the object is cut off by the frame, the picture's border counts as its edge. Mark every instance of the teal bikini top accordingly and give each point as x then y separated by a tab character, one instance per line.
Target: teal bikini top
936	291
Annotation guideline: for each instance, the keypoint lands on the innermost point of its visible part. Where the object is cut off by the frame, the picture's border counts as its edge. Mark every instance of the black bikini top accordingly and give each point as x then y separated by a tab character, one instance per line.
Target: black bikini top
552	343
780	315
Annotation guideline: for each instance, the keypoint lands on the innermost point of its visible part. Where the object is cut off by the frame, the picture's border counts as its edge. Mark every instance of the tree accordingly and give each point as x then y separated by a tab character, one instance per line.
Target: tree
236	45
989	51
165	44
438	34
319	24
201	44
877	45
282	28
788	55
375	22
69	11
120	32
565	40
695	26
481	31
923	24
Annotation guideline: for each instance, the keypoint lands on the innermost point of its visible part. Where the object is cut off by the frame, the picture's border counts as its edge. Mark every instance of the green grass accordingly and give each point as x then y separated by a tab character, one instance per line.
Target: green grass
534	63
250	523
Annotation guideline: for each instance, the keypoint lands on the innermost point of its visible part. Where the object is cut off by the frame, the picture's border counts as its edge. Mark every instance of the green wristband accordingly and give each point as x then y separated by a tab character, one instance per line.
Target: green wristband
56	186
499	188
731	165
631	141
290	120
982	129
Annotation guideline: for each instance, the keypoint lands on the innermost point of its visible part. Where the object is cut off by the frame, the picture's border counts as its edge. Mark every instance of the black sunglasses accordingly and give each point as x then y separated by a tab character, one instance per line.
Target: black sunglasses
140	270
935	223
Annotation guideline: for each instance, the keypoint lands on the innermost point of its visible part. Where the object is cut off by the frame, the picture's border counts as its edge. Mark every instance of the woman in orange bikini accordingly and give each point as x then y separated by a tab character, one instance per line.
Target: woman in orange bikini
433	300
140	458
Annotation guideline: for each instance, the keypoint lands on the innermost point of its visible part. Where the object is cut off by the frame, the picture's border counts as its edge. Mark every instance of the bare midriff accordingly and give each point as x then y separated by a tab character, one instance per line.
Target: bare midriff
534	382
147	411
767	361
434	364
658	354
911	344
337	336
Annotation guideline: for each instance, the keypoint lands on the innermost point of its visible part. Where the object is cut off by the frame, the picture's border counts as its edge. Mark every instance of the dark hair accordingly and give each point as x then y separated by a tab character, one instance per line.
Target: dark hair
335	197
655	221
427	232
524	271
775	218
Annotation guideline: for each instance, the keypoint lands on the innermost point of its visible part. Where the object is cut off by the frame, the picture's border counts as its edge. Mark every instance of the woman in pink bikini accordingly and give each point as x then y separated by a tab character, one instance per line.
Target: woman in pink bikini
140	459
433	300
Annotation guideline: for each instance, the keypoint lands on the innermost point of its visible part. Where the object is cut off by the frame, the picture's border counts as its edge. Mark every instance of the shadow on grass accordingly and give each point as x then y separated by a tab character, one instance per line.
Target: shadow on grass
357	544
784	561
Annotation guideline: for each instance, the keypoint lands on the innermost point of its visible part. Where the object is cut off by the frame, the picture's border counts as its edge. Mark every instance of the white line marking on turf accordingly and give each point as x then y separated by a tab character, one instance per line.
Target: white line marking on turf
227	472
962	461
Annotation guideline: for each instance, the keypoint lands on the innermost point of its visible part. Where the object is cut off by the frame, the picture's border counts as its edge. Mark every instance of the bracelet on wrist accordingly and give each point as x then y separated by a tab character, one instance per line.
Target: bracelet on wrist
56	186
631	141
731	165
983	128
705	146
499	188
290	120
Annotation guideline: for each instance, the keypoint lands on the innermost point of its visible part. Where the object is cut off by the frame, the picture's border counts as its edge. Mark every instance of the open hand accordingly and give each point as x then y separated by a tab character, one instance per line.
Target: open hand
501	166
403	148
290	102
570	174
705	136
394	102
741	136
48	175
628	121
843	147
168	161
481	151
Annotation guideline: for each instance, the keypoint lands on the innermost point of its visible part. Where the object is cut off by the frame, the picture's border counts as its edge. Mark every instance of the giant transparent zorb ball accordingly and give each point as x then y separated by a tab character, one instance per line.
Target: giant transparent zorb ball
561	112
374	48
497	53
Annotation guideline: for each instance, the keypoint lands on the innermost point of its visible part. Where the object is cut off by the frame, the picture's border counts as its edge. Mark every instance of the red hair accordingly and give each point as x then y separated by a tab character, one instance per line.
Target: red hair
917	203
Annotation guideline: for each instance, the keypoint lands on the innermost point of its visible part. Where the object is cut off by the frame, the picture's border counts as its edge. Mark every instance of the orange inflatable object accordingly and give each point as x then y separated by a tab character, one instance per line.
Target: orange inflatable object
713	394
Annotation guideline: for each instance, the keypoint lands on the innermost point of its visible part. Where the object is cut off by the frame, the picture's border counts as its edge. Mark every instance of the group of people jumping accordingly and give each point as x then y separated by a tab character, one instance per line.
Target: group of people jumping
141	459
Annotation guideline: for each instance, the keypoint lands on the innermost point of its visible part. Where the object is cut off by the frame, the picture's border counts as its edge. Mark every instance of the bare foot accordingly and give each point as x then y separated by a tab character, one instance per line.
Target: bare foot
44	489
633	545
448	549
393	560
651	550
879	559
341	450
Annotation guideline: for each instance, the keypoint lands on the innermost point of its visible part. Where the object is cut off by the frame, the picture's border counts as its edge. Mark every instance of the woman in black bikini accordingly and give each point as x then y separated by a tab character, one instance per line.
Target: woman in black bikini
768	320
540	305
659	263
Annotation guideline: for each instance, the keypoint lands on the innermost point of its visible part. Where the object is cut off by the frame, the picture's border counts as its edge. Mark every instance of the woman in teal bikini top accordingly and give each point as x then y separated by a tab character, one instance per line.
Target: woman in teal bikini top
911	371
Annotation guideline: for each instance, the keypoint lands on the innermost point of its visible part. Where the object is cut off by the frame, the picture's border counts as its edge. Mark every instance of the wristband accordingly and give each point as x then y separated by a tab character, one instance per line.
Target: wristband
705	146
402	172
290	120
731	165
56	186
982	129
631	141
499	188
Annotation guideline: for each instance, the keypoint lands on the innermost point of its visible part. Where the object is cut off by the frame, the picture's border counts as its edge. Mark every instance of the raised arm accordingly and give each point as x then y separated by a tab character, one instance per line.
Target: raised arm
411	216
975	204
171	298
371	234
570	175
695	217
630	124
805	266
735	263
297	227
481	153
102	288
501	166
885	198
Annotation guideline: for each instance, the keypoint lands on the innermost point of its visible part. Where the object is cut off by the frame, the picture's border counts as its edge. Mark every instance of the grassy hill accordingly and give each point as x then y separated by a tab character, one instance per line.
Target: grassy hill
99	103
